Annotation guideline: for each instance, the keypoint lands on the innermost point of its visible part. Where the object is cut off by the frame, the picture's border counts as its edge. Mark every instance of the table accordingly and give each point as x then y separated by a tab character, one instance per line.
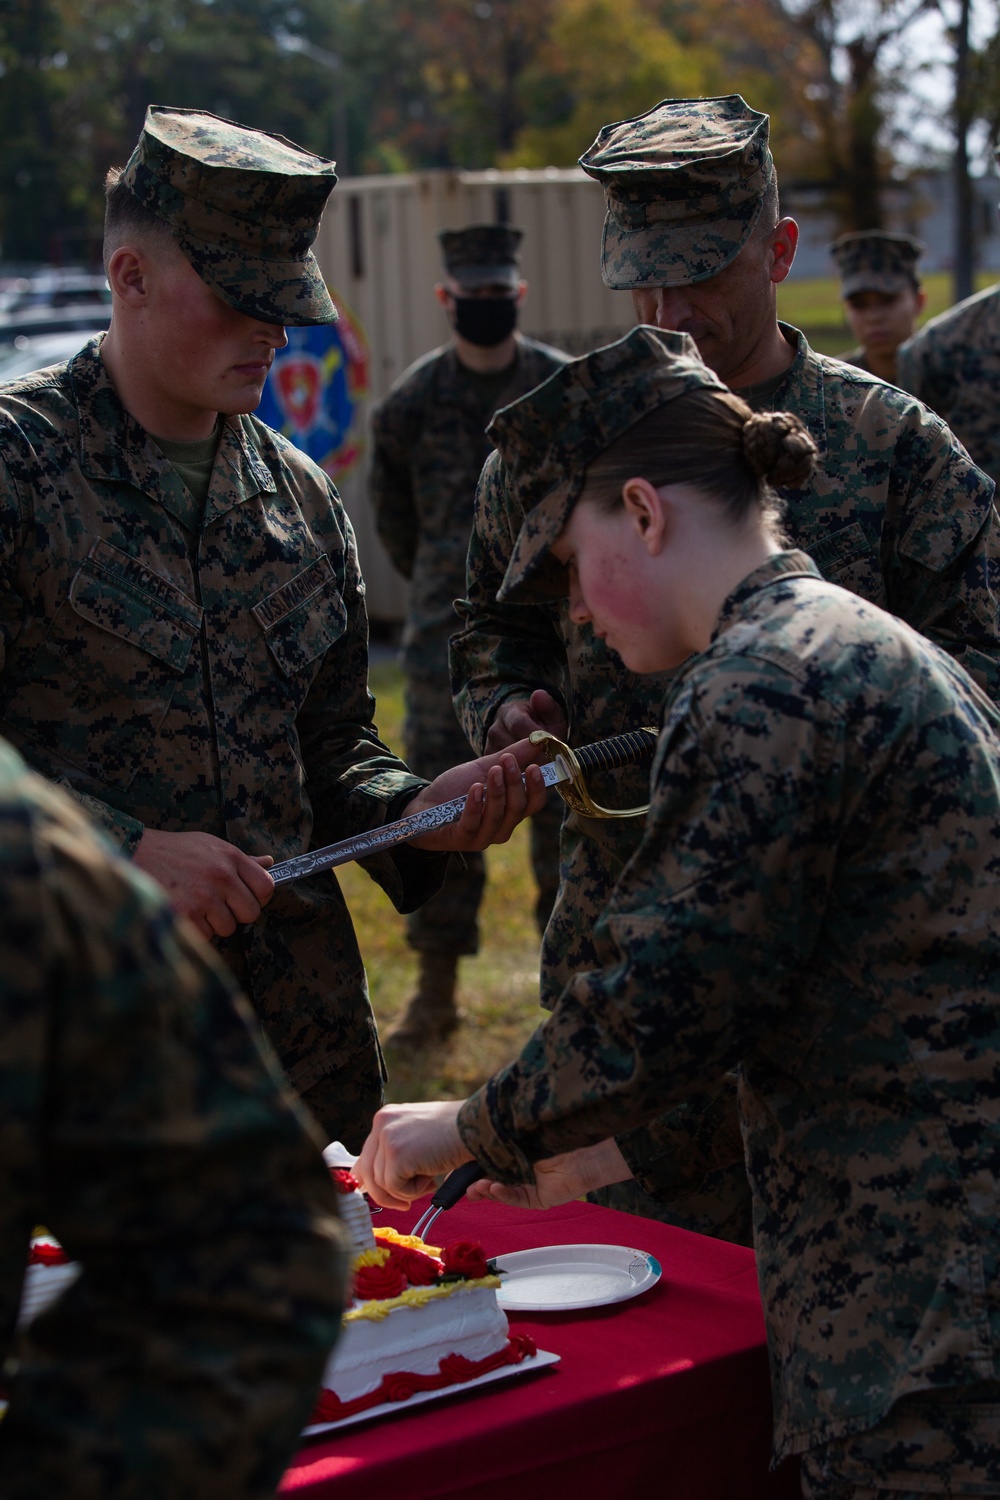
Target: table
665	1397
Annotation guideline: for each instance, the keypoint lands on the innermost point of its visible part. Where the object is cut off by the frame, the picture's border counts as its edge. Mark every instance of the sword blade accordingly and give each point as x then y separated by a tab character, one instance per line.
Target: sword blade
360	845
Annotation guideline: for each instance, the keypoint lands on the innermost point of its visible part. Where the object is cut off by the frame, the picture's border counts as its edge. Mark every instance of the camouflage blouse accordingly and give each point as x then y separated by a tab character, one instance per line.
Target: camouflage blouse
203	672
144	1124
816	899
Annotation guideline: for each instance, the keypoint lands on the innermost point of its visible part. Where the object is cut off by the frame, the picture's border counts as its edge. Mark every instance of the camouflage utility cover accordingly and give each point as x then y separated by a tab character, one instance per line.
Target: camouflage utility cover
244	207
204	670
953	363
548	437
144	1126
685	183
482	255
873	261
817	900
894	511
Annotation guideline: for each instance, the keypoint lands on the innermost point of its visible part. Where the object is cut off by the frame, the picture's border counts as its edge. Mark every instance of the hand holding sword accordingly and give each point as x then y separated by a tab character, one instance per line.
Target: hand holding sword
467	807
429	826
219	887
496	791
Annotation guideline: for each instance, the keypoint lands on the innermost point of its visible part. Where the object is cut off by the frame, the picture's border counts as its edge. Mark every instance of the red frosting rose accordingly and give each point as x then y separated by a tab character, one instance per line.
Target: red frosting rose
47	1255
342	1180
418	1268
379	1281
465	1258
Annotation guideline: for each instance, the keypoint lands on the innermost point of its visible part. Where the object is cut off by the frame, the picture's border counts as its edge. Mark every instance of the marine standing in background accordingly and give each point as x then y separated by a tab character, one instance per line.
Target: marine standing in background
183	638
882	296
895	511
953	364
429	446
145	1127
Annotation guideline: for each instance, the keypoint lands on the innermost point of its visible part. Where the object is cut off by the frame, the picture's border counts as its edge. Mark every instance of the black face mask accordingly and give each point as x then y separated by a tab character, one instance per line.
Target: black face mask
485	321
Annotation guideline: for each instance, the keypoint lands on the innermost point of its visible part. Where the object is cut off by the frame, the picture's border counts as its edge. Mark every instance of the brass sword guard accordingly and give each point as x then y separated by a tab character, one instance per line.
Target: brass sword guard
575	792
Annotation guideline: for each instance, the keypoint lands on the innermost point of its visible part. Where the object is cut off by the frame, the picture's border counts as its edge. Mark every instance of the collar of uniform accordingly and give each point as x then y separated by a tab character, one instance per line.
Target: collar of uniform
801	391
113	446
777	568
239	471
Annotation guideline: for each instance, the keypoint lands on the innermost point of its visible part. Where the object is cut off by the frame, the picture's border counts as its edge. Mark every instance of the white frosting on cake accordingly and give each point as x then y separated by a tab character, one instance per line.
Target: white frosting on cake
410	1334
44	1284
357	1220
415	1339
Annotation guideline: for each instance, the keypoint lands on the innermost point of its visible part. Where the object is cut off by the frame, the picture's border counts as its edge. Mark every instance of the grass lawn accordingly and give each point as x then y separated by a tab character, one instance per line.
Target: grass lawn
814	306
498	989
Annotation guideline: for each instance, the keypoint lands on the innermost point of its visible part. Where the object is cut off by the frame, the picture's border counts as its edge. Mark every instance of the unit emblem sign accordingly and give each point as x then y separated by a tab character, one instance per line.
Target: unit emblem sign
314	390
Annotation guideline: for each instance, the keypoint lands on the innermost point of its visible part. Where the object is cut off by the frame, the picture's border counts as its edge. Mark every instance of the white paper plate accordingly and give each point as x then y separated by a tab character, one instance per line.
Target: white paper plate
559	1278
536	1361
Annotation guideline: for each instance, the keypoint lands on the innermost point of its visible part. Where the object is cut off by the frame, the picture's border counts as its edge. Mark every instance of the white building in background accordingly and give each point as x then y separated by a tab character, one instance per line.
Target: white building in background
924	206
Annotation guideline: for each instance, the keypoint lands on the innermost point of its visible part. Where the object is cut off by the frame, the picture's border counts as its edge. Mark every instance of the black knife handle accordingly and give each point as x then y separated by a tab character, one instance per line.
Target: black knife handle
624	750
455	1184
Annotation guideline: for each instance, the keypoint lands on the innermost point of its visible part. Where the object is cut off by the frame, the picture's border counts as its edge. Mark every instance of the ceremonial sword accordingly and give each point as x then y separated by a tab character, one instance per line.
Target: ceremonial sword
566	770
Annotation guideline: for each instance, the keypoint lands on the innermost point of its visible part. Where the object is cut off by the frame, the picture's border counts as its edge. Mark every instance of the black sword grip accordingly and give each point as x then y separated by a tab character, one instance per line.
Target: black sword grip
455	1184
624	750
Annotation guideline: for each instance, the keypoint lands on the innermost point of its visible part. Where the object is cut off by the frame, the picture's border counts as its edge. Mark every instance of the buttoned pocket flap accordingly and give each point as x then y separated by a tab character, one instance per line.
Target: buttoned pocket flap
304	617
119	594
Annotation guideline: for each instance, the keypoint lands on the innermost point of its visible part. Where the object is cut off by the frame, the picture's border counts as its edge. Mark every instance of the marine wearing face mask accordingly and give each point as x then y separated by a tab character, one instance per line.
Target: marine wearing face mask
429	445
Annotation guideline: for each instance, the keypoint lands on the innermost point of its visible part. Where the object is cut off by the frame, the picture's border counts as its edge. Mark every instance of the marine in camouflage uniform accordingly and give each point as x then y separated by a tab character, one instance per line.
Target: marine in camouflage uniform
146	1126
895	512
816	898
881	293
429	445
953	363
181	666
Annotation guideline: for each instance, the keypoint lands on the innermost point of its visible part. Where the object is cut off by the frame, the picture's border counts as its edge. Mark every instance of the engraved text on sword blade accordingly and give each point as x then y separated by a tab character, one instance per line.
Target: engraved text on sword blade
391	834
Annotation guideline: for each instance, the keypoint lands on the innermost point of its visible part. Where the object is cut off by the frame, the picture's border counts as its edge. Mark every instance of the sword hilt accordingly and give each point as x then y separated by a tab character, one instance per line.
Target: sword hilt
629	749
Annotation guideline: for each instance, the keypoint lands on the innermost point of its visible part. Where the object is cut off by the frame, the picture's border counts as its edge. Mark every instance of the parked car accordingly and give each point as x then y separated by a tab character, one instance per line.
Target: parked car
55	289
28	352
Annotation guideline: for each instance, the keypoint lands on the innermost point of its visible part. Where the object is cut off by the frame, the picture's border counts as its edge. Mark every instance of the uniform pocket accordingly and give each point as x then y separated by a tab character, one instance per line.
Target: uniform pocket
848	558
101	682
304	617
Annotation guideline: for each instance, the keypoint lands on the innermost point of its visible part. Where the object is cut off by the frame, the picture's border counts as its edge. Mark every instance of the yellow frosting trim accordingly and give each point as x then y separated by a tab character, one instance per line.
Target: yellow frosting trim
414	1296
370	1258
409	1240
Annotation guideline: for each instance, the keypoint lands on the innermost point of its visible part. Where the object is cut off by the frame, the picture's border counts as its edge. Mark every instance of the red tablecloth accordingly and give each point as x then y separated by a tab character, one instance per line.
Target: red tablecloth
665	1396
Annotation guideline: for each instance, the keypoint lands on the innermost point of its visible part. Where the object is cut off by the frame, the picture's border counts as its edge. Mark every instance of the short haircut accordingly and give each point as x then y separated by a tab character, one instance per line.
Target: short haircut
770	211
124	215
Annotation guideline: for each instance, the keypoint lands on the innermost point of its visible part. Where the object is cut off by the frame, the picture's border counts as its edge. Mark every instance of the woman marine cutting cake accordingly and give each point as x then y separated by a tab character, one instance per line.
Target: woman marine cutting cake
815	904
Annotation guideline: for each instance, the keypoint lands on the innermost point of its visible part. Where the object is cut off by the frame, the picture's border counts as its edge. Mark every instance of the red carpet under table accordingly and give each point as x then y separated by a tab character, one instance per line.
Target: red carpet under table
665	1397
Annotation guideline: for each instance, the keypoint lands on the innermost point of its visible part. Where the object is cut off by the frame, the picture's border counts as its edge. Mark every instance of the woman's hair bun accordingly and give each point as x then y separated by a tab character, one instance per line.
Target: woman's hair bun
778	448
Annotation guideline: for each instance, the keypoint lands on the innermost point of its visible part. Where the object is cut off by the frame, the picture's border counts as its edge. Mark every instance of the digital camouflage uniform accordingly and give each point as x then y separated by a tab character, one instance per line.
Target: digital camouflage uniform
428	446
145	1127
953	364
817	899
205	668
814	909
895	512
873	260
